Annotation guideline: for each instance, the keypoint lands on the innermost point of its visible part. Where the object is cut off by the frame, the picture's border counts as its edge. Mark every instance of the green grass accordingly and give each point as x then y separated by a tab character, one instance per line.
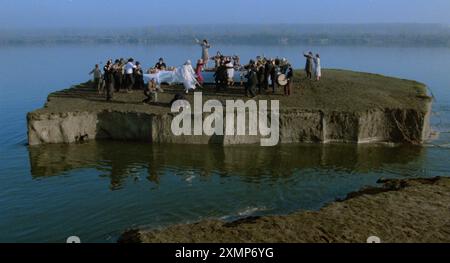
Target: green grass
338	90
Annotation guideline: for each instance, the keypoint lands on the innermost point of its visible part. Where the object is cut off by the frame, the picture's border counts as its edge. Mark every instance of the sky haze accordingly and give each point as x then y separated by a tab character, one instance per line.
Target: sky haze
120	13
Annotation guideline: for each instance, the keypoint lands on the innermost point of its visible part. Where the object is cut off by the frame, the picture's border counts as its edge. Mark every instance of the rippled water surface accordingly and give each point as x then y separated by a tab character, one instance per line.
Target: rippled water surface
98	189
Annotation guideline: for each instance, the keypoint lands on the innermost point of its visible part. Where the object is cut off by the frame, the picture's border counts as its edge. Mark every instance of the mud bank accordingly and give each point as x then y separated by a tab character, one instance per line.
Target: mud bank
414	210
345	106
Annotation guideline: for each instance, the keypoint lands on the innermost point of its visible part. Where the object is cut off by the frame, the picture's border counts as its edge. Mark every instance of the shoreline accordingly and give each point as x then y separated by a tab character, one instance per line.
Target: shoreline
401	210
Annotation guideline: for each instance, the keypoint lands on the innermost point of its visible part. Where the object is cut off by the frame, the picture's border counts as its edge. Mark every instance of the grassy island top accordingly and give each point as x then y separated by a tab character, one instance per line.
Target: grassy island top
338	90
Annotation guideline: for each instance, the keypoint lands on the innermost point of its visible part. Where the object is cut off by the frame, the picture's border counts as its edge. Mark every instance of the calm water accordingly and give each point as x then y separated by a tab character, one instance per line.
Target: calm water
97	190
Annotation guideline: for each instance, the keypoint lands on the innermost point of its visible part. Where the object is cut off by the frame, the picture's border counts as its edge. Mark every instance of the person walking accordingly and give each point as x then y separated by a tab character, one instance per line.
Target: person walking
97	74
187	74
198	71
317	67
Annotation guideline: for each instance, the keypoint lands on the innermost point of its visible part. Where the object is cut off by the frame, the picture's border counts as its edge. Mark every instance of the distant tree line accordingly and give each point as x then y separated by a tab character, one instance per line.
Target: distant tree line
361	35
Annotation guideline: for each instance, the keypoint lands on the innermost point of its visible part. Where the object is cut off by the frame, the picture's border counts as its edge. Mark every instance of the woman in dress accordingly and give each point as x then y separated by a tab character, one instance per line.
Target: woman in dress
318	68
205	51
198	71
187	75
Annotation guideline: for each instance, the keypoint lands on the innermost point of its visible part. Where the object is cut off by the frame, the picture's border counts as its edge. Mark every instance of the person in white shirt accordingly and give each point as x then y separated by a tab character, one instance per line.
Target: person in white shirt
129	70
230	71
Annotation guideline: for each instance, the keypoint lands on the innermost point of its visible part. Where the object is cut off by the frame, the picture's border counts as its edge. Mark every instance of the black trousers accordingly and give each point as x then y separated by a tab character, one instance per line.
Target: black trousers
221	84
129	81
249	88
266	82
261	86
274	82
109	90
118	81
139	82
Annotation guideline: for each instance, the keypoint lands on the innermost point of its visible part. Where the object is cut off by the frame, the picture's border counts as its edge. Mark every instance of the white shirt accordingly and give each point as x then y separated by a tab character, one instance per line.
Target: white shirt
129	68
230	70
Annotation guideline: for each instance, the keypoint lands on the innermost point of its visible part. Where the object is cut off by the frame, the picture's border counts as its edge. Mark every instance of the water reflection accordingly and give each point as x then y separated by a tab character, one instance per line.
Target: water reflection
119	160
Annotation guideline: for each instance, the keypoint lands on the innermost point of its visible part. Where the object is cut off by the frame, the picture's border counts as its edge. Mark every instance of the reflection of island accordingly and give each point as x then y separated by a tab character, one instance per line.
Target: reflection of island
120	160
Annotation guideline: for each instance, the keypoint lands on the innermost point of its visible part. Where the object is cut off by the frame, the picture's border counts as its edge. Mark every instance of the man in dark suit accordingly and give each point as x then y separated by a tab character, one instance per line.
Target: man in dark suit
309	64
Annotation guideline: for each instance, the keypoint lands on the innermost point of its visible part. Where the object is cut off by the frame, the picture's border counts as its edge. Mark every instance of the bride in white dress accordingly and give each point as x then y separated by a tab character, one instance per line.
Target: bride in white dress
317	67
186	74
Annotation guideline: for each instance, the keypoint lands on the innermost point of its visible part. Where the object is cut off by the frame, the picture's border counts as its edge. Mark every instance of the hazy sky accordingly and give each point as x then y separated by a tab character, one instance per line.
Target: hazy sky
126	13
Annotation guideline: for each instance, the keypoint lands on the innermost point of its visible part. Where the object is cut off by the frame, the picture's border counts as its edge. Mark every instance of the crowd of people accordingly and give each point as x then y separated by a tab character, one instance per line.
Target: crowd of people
118	76
261	75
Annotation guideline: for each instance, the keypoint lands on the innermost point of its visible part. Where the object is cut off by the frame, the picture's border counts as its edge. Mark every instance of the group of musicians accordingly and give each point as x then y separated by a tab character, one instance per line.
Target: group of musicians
261	74
269	73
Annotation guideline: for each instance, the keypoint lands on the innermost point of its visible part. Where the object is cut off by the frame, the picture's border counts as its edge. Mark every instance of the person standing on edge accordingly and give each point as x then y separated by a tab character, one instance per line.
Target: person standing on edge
318	67
309	64
109	80
129	70
97	73
205	51
290	79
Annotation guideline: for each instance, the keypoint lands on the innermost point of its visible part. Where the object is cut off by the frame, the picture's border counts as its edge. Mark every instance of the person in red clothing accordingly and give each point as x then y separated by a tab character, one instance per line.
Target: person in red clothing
198	71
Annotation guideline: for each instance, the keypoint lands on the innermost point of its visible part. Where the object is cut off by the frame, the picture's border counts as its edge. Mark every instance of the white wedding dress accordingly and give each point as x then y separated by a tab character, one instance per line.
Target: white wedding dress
186	75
